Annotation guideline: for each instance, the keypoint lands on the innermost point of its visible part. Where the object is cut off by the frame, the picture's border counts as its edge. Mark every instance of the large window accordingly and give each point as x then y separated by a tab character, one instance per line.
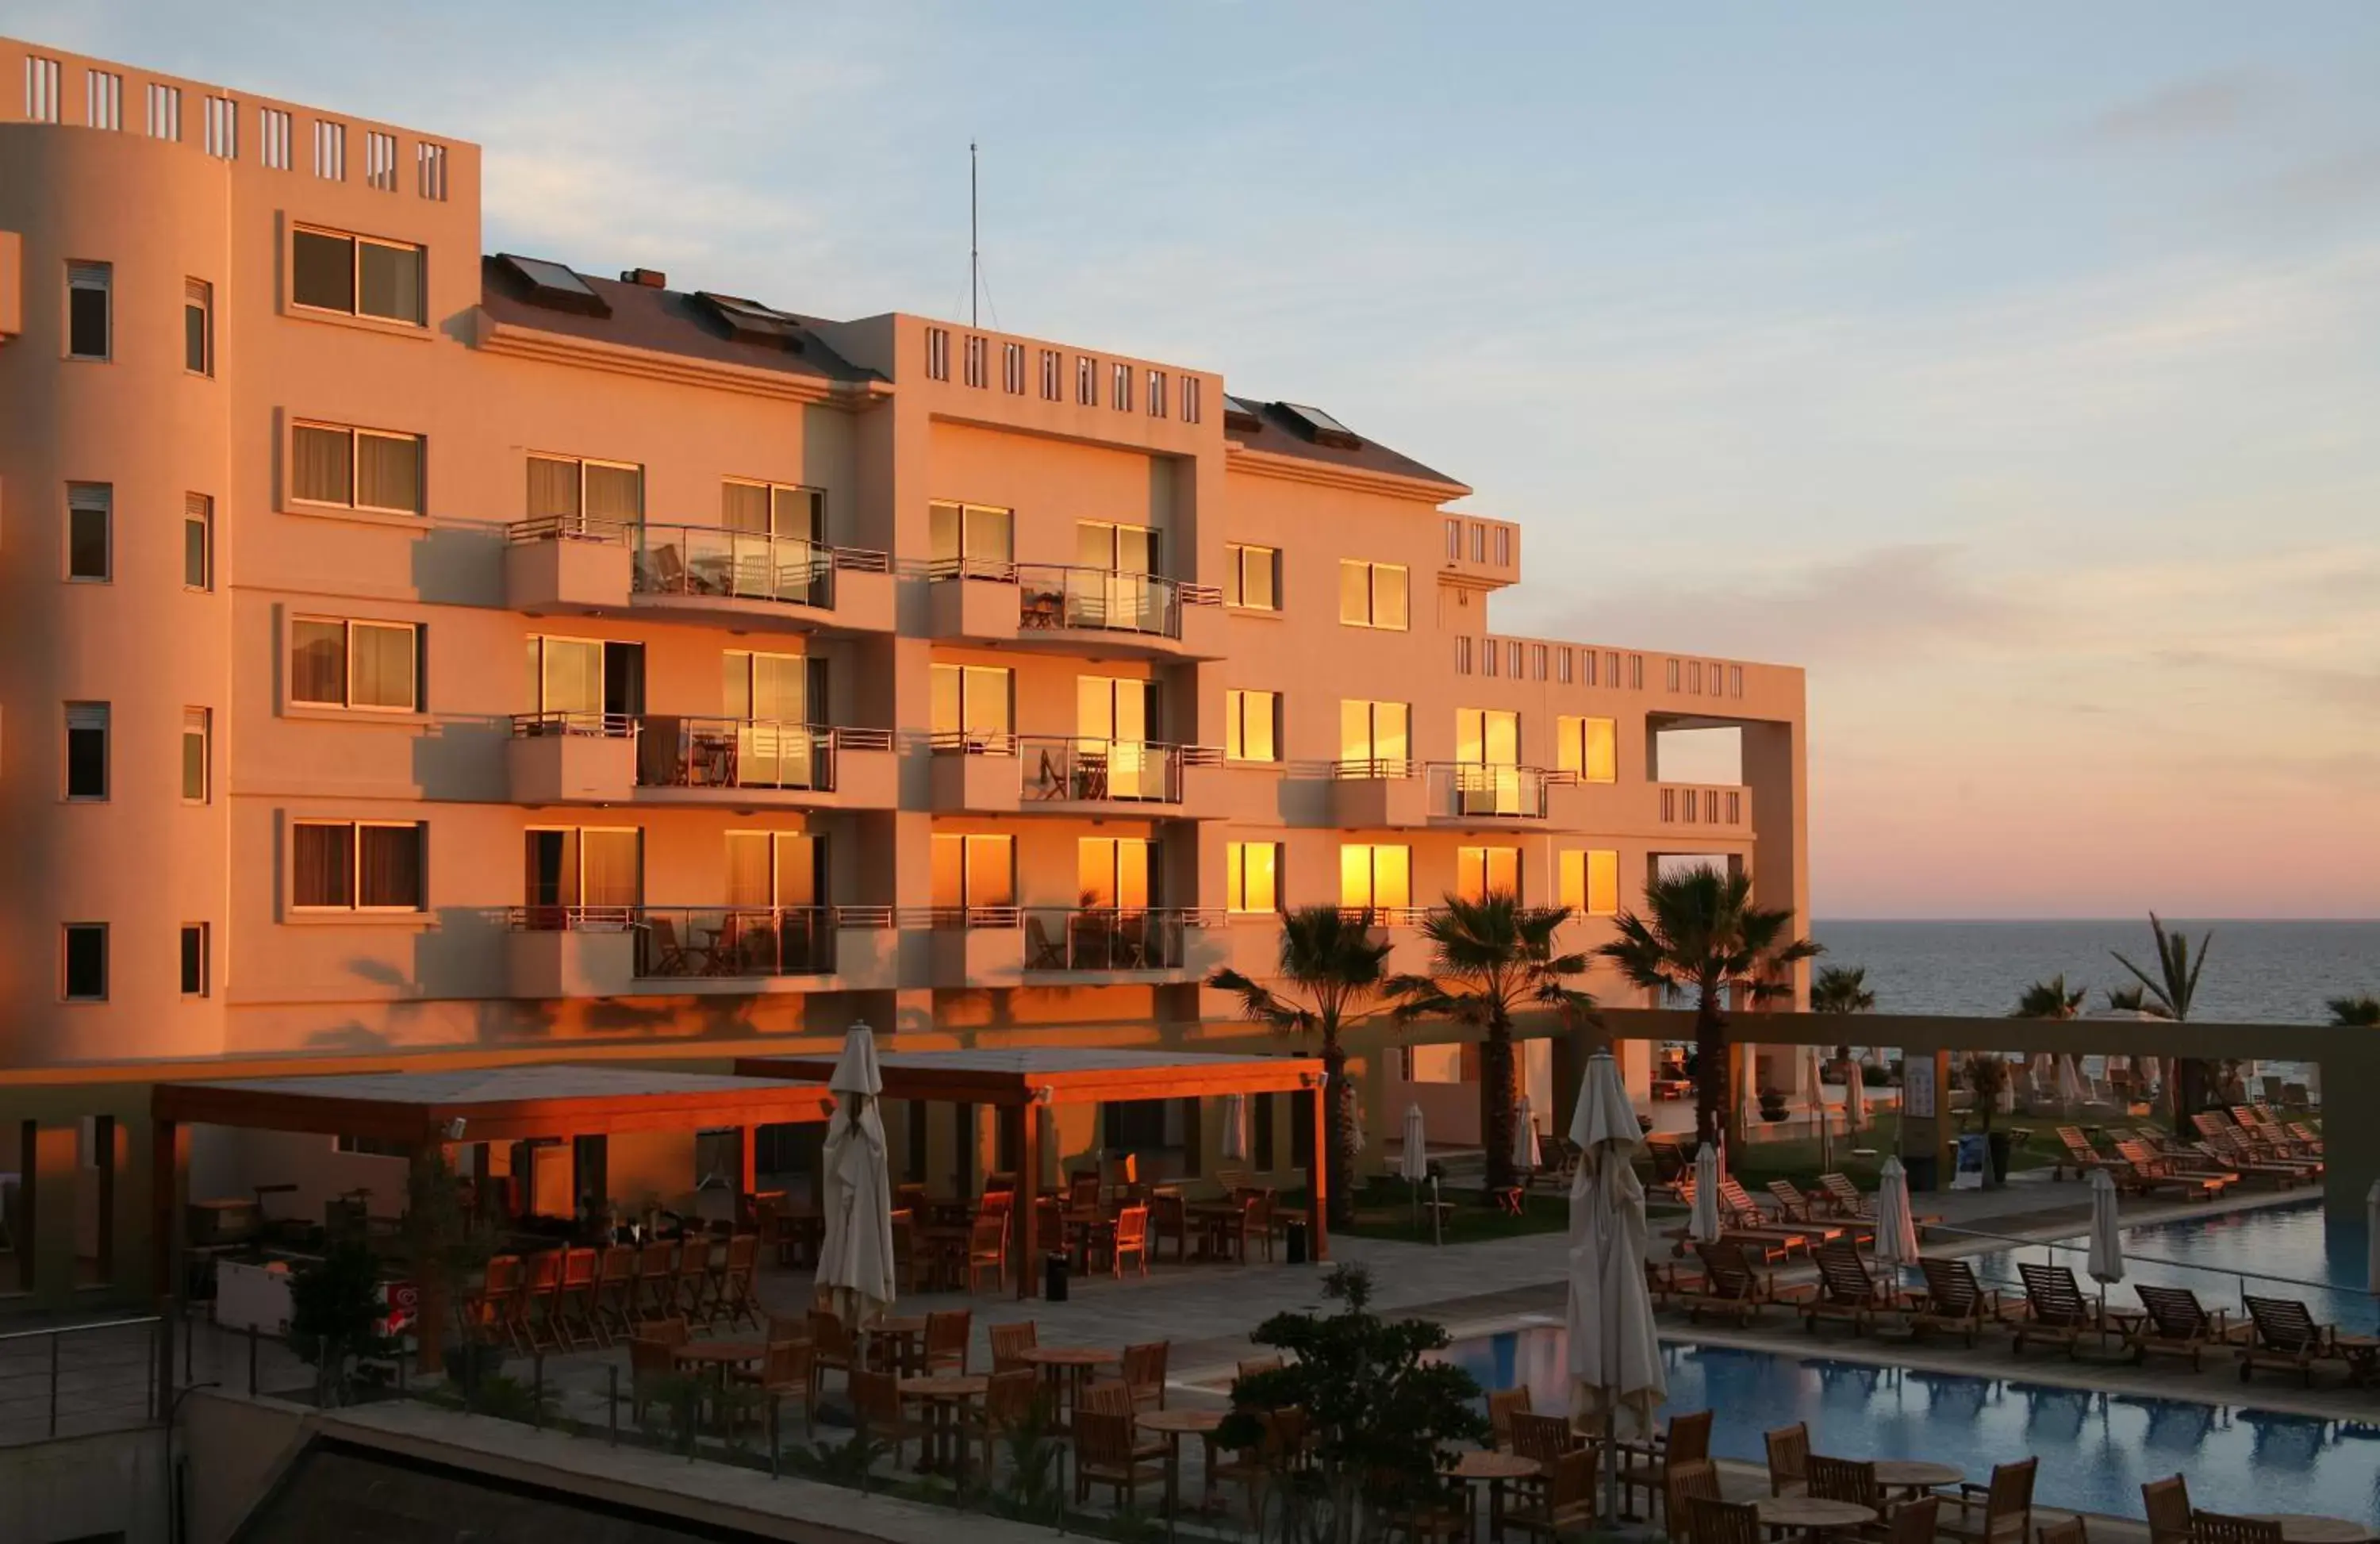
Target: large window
90	324
359	275
974	870
82	974
974	536
355	866
1372	594
87	751
1115	872
198	327
1251	726
340	662
1373	875
776	869
1480	872
1251	577
777	509
570	488
1252	876
1589	747
1590	881
356	468
91	532
197	541
1375	731
1116	717
1116	549
583	866
773	688
974	701
1486	737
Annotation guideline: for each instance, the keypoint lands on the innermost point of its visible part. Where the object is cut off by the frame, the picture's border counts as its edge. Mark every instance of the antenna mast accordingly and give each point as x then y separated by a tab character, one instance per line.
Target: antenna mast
975	248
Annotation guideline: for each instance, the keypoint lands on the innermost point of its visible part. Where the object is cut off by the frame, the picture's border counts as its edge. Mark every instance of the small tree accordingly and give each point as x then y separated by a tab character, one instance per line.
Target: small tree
2049	1000
1488	958
1841	989
334	1311
1987	1078
1378	1414
2168	995
2359	1011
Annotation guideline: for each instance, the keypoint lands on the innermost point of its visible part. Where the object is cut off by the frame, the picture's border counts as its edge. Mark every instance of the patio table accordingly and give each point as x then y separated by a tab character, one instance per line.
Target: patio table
1915	1475
903	1337
1173	1425
945	1397
1486	1467
2302	1527
1812	1515
1068	1370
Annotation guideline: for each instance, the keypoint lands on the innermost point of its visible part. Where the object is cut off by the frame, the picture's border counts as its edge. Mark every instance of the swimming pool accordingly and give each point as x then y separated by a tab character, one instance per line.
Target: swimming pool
2096	1449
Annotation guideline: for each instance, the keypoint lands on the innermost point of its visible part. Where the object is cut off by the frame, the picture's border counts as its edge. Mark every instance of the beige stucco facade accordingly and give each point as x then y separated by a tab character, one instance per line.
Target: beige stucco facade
486	937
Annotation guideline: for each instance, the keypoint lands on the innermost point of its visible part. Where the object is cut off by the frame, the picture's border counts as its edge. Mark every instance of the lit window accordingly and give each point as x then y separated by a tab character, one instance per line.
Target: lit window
1590	881
87	757
1480	872
1251	577
197	737
90	298
1251	726
91	532
197	967
1371	594
1588	746
356	468
974	871
197	327
1374	876
337	662
82	968
1251	875
972	706
356	275
197	541
355	866
975	537
1377	734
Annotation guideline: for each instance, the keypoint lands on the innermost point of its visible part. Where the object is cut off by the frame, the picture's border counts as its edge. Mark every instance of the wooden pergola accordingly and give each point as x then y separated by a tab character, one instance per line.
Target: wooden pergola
1024	1077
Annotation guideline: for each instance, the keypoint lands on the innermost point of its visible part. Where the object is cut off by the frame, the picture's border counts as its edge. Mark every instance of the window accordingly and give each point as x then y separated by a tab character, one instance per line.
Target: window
429	170
973	702
1491	656
1480	872
1537	663
1636	673
198	726
1463	654
83	968
330	150
1189	399
379	160
1374	876
42	92
1735	680
337	662
1515	657
273	124
102	99
1053	376
1563	666
1087	382
356	468
1486	737
974	870
598	493
355	866
938	354
1590	881
1589	747
1117	550
1251	726
370	1147
1157	393
1670	677
1375	732
89	293
164	111
1479	543
91	532
783	510
1503	546
1012	369
356	275
774	689
1371	594
1694	676
595	865
977	372
1251	577
87	758
1453	541
1120	389
1116	873
776	869
976	536
197	327
195	961
1251	876
197	542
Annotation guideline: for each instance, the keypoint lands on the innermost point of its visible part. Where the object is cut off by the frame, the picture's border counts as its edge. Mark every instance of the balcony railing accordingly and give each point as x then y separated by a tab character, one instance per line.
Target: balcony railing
1052	596
1112	938
677	941
1059	768
676	750
1377	767
1464	788
959	918
1698	804
713	561
973	742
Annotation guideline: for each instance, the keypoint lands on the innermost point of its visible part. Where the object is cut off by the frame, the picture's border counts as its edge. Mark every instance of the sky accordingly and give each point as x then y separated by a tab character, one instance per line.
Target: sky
2013	369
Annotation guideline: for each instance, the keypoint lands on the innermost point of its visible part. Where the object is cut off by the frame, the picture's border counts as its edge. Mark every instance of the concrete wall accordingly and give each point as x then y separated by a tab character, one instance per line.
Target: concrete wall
80	1487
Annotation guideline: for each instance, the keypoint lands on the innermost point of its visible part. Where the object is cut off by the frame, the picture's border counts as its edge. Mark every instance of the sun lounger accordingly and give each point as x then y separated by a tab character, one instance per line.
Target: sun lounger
2080	1156
1666	1278
1847	1203
2056	1312
1774	1242
1846	1291
1955	1301
1732	1286
2143	1173
2174	1324
1792	1205
2210	1159
1739	1211
2284	1335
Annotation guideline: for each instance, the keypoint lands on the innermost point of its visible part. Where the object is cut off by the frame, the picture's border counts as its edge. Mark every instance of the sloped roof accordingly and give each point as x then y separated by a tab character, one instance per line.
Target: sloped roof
664	321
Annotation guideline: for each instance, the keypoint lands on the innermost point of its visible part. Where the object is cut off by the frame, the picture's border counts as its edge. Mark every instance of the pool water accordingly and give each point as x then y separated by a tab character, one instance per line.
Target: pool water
2096	1449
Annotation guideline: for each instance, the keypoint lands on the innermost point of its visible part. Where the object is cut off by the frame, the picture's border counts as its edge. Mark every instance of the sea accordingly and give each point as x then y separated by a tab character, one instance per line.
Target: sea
2256	972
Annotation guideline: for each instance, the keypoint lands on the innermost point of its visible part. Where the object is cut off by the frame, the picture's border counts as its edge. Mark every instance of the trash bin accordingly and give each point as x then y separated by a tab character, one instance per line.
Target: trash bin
1924	1170
1293	1242
1054	1277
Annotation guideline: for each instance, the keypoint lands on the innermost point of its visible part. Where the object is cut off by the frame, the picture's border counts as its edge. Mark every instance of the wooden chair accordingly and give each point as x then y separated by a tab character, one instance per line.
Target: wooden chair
2070	1531
1846	1291
656	1285
1788	1459
1686	1484
1010	1341
786	1372
1009	1401
1144	1374
692	1283
1502	1405
832	1348
1169	1218
2165	1504
1645	1466
486	1312
877	1406
1104	1454
1108	1396
1715	1521
1845	1480
2176	1325
574	1312
2056	1312
948	1333
1543	1438
2221	1527
1130	1237
2079	1154
1998	1512
1955	1300
533	1326
1914	1522
615	1293
734	1294
1563	1503
2284	1335
651	1373
986	1249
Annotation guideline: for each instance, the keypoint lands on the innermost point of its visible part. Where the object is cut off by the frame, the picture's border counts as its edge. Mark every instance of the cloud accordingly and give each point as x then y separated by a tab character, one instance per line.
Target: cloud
2349	179
2206	104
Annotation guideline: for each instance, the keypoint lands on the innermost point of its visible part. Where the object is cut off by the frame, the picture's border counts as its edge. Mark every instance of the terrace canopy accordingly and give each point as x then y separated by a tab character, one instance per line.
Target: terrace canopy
1020	1077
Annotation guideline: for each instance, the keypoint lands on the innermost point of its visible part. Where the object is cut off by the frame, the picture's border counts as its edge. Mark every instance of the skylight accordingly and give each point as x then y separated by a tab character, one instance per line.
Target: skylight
752	322
1240	413
553	286
1325	428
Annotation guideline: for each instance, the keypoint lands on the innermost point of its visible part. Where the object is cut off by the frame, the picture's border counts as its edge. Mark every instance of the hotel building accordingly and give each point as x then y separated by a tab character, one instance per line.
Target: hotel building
418	655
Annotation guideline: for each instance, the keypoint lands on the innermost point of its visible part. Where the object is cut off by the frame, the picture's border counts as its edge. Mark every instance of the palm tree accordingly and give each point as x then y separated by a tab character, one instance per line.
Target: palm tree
1841	989
1333	976
1489	958
2051	1000
1700	935
2168	995
2359	1011
2132	1000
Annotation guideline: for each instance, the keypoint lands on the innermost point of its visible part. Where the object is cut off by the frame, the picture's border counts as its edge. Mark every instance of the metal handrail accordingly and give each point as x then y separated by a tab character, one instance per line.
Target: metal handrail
1483	788
563	721
973	742
678	750
1073	768
48	1331
623	532
1393	767
2237	1273
958	918
1114	938
603	919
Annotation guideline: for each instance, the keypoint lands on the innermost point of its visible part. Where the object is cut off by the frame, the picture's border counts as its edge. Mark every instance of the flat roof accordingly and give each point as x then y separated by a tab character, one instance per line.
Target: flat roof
1070	1075
495	1104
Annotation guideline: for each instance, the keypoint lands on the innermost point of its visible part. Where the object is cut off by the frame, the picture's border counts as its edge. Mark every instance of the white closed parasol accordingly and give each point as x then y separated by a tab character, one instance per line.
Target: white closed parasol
1617	1381
855	1269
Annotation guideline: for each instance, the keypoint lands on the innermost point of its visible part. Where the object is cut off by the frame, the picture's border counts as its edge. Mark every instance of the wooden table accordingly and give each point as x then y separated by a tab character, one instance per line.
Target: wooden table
1173	1425
1811	1514
1915	1475
945	1397
713	1358
901	1333
1068	1370
2301	1527
1212	1220
1493	1469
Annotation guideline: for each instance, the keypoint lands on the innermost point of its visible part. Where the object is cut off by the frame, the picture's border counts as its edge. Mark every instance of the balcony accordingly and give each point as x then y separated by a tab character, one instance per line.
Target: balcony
970	947
1047	775
1406	796
1718	809
617	568
1378	795
566	758
649	951
1068	609
1114	945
